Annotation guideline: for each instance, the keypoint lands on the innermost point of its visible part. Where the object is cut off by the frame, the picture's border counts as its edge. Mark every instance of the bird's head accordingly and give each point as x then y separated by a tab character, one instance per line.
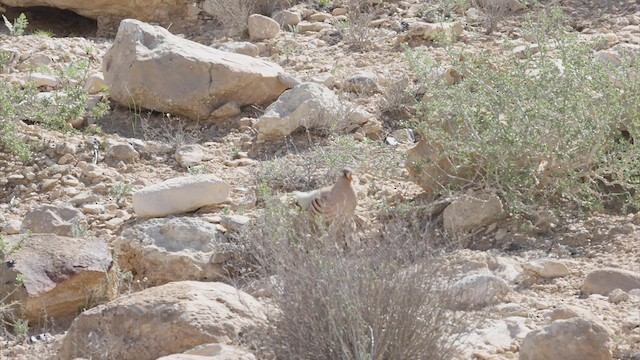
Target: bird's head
347	173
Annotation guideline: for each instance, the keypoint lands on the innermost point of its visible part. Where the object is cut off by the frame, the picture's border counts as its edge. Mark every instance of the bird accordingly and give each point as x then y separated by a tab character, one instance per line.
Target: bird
338	201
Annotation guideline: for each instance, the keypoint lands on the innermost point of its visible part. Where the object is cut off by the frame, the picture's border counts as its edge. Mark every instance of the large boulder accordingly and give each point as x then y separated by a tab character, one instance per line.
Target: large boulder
180	195
151	68
53	219
165	250
309	105
605	280
162	320
62	275
571	339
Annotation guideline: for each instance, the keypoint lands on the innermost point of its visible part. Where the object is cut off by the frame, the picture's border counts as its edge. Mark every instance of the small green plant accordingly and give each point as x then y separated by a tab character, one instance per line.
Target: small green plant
19	25
7	314
323	3
21	328
198	169
44	33
556	128
79	229
120	192
5	56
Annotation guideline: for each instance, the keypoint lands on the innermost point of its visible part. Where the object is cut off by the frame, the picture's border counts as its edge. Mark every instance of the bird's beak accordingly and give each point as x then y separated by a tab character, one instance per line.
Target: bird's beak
349	177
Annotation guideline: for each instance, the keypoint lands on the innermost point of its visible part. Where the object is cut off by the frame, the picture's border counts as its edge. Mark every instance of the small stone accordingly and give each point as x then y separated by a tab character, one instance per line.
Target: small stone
617	296
547	268
12	227
48	184
95	83
227	110
320	16
339	11
66	159
123	152
70	180
93	209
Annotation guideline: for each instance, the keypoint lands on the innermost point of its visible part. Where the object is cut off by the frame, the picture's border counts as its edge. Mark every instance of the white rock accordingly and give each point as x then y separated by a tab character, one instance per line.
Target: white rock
362	82
241	47
603	281
496	334
122	151
42	80
153	69
287	18
617	296
571	339
479	290
262	27
470	212
547	268
212	352
12	227
95	83
189	155
179	195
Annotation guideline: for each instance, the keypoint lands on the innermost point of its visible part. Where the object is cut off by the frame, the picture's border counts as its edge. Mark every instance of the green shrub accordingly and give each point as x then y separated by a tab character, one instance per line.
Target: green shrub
554	128
19	25
53	111
319	165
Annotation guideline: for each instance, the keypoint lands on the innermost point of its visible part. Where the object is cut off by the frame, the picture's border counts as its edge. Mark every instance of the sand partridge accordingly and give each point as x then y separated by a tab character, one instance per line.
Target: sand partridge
331	202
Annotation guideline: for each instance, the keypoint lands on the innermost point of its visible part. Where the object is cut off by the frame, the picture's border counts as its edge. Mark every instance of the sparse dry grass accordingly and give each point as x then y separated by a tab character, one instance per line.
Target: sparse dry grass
380	297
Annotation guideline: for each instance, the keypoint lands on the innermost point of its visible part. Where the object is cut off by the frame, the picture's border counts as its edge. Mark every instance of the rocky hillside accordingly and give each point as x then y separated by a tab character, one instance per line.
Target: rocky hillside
151	161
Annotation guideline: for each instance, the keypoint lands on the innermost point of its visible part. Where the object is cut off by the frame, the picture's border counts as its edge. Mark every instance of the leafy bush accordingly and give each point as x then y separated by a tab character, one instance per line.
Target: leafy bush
55	110
19	25
556	127
319	166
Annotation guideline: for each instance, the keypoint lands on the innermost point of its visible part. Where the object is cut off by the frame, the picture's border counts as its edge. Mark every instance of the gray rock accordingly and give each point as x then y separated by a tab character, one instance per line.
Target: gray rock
471	212
479	290
165	250
241	47
603	281
308	105
362	82
571	339
123	152
189	155
53	219
287	18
